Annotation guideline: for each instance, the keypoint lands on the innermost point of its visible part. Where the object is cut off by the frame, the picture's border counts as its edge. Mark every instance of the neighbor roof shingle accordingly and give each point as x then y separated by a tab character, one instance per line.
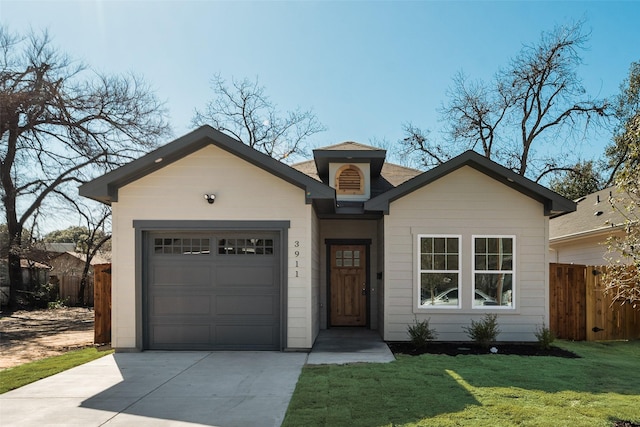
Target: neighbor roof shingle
594	213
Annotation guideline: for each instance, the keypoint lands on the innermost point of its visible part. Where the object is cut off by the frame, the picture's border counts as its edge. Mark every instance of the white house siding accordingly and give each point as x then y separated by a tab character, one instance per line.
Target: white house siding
243	192
589	250
315	276
466	203
380	274
349	229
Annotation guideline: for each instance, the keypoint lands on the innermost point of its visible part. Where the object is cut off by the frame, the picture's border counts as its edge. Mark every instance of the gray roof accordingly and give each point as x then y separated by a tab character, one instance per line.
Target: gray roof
105	188
554	204
388	181
594	215
351	152
390	176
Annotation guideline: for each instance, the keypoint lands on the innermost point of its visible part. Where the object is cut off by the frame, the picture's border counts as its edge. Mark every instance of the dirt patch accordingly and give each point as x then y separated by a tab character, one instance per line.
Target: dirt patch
28	335
455	349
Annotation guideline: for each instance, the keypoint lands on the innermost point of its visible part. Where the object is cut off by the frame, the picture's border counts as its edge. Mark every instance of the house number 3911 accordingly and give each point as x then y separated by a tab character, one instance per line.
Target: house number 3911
297	254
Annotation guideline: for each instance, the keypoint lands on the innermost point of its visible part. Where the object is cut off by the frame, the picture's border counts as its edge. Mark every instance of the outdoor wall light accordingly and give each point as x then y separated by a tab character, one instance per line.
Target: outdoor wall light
210	198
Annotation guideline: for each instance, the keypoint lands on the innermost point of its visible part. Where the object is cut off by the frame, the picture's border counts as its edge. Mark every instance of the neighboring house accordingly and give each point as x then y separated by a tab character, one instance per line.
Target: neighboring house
33	272
72	263
218	246
579	237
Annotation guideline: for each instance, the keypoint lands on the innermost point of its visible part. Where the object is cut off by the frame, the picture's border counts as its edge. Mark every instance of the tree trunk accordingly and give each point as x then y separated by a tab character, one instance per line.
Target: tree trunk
83	283
13	258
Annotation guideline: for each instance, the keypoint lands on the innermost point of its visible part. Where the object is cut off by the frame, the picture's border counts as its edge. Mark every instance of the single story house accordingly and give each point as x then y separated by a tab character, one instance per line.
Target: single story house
218	246
33	273
580	237
71	263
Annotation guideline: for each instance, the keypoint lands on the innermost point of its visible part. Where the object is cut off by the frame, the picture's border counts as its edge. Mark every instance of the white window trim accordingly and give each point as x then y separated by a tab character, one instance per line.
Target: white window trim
419	270
512	271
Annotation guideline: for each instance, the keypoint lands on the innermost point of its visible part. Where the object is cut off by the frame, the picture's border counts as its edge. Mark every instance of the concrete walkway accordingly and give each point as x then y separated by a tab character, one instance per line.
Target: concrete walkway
157	388
349	345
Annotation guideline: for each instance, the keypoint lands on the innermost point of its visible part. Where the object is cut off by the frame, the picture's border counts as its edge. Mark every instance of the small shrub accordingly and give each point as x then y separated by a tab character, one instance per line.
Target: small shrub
420	333
485	331
58	303
545	337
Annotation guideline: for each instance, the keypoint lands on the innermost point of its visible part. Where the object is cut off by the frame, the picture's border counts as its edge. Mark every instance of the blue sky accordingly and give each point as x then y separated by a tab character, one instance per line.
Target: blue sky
364	67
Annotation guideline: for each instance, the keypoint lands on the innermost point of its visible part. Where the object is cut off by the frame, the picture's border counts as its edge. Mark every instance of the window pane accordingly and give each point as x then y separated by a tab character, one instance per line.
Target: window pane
507	263
348	262
452	262
493	289
426	262
439	289
338	263
507	245
492	245
338	254
347	254
356	254
481	262
439	245
439	262
492	262
356	262
481	245
452	245
426	245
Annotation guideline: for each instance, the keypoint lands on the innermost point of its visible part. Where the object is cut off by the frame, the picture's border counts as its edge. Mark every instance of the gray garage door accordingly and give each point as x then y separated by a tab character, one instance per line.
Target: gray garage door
212	291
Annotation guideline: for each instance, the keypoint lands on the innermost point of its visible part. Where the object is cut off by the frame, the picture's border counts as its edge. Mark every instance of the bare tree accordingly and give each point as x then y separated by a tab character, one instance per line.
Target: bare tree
97	220
622	276
59	123
245	112
626	107
537	99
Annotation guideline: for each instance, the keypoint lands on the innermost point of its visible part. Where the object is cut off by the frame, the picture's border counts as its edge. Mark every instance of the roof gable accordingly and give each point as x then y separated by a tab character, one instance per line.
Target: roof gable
554	204
105	188
348	152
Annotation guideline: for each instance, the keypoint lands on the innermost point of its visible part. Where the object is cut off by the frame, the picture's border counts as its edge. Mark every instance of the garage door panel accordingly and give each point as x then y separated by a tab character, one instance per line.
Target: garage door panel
172	305
246	305
172	273
244	275
225	299
246	335
189	334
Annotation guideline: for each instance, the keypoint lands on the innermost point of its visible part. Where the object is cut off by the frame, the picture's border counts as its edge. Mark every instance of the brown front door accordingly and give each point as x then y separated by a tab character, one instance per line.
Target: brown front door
348	287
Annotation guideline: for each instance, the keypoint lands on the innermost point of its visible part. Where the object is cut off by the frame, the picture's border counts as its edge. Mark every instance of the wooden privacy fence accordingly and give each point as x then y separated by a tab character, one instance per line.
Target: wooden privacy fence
102	303
580	310
69	287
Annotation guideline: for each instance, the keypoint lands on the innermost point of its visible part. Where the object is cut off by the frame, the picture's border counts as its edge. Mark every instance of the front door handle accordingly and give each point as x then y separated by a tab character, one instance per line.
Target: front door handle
364	291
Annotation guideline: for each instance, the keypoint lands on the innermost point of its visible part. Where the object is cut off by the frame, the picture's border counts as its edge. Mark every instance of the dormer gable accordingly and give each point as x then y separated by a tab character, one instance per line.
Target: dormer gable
349	168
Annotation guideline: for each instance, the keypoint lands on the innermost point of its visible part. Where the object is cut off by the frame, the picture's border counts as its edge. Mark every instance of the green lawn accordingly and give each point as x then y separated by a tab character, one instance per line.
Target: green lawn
13	378
490	390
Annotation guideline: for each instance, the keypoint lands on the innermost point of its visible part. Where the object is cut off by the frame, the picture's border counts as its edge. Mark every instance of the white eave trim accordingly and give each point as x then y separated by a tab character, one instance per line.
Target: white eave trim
585	234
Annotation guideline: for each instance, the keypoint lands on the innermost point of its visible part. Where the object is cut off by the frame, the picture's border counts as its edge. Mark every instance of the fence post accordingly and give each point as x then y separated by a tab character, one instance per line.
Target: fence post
102	303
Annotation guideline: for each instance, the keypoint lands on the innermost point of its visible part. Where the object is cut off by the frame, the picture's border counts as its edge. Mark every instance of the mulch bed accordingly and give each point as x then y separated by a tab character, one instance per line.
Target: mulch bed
457	349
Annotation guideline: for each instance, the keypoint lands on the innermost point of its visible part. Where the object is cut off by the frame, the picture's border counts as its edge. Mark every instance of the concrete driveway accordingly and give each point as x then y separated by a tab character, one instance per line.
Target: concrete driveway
161	389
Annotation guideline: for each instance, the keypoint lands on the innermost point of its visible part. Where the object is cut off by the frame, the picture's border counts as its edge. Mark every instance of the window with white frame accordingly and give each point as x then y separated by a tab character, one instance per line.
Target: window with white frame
493	271
439	273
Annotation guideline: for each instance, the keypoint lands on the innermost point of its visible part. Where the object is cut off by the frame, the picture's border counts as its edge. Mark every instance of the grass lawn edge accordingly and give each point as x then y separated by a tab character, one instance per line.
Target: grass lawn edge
18	376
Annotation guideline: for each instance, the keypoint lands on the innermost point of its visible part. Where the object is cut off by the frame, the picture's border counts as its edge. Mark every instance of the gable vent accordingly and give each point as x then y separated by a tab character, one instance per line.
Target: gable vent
349	180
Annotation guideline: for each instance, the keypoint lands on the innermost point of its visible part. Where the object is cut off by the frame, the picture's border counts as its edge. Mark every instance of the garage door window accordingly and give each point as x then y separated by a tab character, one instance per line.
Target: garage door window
248	246
181	246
